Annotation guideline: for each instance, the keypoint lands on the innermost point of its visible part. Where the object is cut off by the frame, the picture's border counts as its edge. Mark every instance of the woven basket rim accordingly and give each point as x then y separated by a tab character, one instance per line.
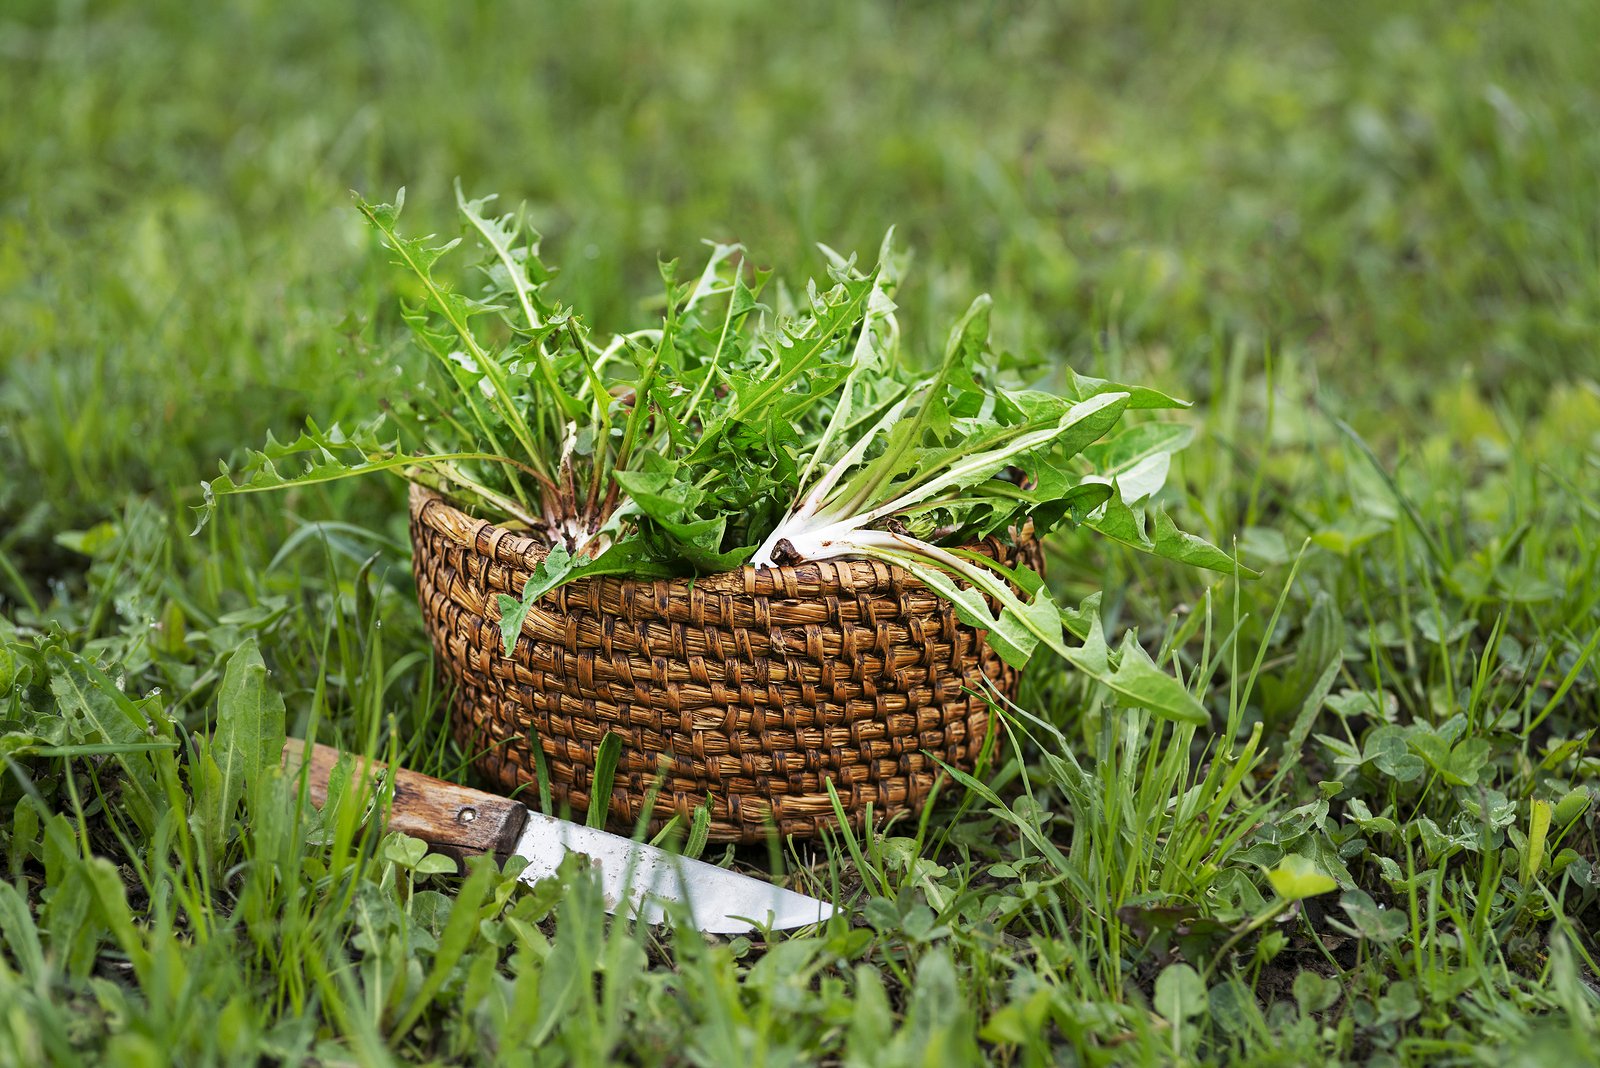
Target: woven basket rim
432	509
426	502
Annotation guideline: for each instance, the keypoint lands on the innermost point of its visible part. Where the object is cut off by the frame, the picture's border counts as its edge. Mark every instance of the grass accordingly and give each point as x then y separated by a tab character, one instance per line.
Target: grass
1365	242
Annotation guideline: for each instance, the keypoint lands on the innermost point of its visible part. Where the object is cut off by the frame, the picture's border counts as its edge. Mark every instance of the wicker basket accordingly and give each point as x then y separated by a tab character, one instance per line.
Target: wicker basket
754	687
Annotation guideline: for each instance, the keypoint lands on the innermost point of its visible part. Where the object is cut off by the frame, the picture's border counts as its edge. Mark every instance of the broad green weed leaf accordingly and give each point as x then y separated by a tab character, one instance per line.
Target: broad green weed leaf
209	820
435	864
871	1018
1572	805
8	670
1343	753
1297	877
1457	764
1398	1003
1388	750
1359	814
110	903
573	951
20	935
96	711
71	931
1180	993
1310	708
1320	848
1349	533
250	726
1233	1006
1467	759
403	850
24	834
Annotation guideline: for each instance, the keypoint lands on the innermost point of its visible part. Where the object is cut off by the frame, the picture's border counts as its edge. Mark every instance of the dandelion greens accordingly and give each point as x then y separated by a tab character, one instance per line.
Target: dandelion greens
755	425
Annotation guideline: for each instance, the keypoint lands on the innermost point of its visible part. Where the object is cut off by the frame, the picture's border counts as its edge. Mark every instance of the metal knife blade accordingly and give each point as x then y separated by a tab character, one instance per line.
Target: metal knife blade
637	879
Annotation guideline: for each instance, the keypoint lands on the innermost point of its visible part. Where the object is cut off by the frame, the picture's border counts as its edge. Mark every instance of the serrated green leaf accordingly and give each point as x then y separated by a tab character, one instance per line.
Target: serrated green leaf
321	457
1121	523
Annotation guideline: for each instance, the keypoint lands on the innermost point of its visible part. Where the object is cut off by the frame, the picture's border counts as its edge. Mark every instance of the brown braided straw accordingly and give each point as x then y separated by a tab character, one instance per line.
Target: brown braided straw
755	687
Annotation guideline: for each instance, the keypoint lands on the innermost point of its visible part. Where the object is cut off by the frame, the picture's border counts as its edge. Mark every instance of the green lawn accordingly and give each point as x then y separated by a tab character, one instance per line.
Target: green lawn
1365	243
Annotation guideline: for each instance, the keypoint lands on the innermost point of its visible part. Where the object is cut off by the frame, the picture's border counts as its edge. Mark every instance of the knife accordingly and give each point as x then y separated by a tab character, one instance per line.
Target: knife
636	880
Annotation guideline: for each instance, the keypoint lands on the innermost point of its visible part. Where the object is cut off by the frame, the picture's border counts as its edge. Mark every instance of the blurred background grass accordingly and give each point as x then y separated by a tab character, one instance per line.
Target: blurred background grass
1395	200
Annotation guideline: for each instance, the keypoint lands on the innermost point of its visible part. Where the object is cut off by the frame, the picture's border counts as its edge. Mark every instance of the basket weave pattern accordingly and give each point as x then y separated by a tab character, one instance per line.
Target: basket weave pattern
755	687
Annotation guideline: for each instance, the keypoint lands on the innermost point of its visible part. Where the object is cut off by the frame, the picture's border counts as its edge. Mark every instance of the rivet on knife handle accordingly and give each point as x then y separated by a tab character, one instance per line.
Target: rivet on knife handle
454	820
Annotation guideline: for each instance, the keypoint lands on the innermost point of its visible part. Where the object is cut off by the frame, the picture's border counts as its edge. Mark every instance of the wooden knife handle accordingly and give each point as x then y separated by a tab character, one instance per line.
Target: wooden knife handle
454	820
